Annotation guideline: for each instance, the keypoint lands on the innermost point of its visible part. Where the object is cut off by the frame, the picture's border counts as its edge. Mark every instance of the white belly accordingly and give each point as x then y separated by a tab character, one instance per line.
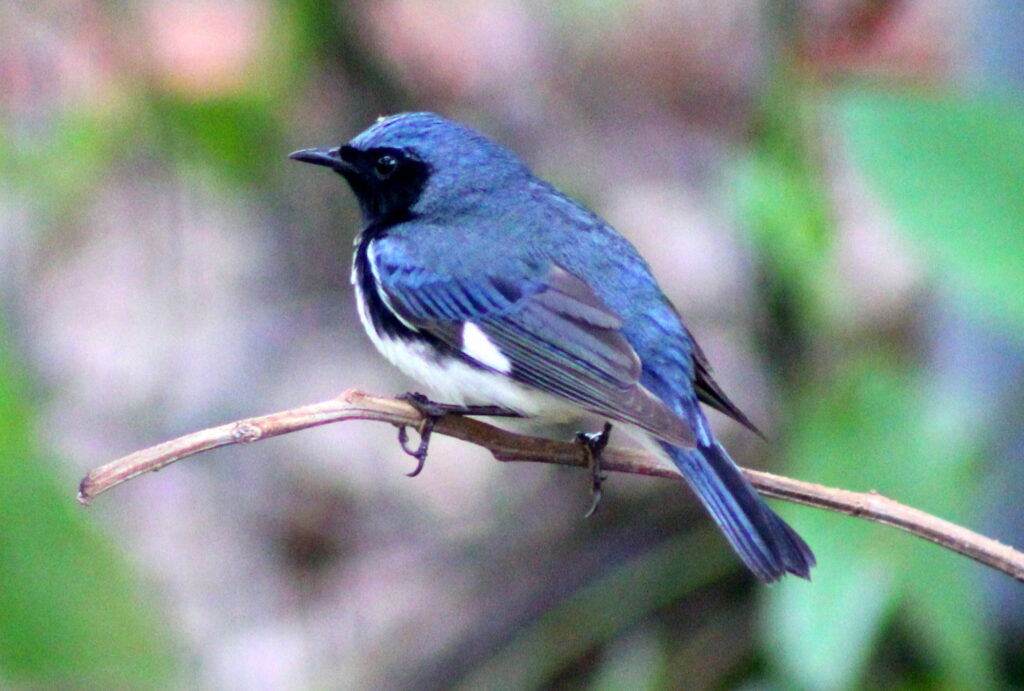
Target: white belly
452	381
456	382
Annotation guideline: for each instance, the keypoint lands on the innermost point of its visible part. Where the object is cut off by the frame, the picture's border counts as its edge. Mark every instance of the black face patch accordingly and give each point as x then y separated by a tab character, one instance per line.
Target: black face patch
387	181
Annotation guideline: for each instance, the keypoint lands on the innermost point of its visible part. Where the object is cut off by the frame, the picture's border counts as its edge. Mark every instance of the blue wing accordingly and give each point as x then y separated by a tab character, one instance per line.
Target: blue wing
554	331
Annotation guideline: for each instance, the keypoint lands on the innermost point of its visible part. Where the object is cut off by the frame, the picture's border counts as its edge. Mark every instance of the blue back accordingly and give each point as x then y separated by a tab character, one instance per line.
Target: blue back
474	243
478	190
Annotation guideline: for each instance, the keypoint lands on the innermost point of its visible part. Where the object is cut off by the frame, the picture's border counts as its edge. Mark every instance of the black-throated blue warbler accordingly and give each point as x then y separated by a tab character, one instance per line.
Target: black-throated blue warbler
491	287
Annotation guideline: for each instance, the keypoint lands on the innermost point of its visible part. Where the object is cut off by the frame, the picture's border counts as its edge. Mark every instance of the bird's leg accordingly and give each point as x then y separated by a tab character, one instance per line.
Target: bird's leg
432	412
593	445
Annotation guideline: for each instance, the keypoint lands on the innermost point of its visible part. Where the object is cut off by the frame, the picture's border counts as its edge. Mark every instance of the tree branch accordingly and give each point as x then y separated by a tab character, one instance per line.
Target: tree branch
509	446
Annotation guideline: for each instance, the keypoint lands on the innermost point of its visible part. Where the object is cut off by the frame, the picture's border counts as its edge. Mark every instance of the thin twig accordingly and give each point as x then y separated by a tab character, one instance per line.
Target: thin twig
509	446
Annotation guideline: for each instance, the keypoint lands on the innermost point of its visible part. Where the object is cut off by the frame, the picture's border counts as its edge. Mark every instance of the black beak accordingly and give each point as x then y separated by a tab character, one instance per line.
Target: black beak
330	158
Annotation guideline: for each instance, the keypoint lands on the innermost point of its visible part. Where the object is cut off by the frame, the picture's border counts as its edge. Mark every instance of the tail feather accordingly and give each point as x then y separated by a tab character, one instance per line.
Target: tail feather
765	543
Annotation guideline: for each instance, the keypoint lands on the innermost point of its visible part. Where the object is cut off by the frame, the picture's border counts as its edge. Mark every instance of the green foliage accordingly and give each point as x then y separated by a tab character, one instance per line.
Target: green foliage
869	428
235	136
56	173
782	198
70	614
952	171
604	610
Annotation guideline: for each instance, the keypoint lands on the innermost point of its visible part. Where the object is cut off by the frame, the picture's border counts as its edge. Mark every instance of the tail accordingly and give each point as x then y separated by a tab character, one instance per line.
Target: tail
765	543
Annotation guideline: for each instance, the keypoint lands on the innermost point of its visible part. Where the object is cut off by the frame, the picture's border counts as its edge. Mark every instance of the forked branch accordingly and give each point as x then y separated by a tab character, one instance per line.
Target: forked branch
510	446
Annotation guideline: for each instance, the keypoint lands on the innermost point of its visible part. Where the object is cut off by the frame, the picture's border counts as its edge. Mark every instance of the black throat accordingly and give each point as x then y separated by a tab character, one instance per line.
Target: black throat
380	317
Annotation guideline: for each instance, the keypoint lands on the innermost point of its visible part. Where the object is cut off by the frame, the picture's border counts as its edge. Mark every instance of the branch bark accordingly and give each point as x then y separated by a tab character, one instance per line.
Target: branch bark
510	446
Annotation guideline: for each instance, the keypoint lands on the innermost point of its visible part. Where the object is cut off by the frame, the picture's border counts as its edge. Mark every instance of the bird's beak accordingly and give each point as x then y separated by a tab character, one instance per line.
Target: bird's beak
330	158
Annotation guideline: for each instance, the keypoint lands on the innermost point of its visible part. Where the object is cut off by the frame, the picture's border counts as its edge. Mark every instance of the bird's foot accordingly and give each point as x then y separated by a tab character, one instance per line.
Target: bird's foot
432	412
593	445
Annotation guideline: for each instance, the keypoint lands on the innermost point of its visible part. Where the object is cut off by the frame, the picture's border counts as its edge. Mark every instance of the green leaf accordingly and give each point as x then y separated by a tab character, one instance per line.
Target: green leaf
636	660
947	613
784	203
821	634
952	172
69	614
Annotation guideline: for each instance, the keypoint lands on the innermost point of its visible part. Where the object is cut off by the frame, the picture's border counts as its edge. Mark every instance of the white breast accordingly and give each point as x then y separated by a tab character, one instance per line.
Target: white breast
454	381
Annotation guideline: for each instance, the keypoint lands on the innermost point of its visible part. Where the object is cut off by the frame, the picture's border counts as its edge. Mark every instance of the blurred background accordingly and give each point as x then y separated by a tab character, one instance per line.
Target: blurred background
831	191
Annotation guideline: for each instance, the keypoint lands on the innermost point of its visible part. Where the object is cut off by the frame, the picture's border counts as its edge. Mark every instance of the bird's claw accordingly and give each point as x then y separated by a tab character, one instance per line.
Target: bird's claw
432	412
420	452
593	445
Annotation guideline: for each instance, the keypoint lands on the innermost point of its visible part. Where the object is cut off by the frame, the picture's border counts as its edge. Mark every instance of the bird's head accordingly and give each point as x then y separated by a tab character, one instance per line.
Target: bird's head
417	164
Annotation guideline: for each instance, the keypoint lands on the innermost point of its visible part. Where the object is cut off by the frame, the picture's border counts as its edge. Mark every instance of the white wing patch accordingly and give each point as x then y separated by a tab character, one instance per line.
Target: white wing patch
476	345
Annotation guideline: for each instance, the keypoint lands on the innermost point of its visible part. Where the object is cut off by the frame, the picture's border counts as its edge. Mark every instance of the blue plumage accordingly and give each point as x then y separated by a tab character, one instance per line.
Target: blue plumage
492	287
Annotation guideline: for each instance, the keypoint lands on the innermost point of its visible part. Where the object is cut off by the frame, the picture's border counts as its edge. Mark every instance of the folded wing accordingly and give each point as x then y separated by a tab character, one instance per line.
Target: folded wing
549	331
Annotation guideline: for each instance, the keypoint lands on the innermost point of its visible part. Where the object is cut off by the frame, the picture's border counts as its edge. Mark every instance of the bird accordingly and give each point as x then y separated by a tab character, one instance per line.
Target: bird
490	287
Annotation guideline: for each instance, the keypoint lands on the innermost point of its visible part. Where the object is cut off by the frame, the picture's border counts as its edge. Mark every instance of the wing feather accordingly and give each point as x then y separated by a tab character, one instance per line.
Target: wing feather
709	392
558	335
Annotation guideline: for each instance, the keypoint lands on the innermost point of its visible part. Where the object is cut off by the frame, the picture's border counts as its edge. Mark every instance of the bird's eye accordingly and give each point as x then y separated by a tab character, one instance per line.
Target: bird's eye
385	166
